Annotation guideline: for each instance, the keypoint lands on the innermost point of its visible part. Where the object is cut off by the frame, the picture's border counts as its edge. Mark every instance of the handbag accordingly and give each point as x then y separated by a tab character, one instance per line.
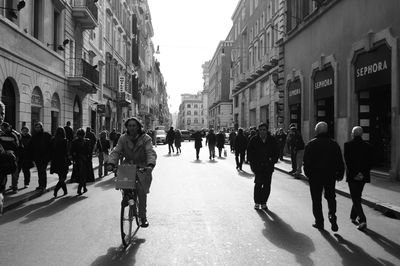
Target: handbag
225	153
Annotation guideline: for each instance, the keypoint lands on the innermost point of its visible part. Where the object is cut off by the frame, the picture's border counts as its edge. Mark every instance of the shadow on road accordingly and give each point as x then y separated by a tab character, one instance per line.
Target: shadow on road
387	244
197	161
52	208
106	184
212	161
351	254
245	174
120	255
283	236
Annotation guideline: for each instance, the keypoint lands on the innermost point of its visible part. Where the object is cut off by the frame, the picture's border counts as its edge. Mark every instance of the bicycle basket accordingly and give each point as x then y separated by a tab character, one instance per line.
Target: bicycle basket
126	177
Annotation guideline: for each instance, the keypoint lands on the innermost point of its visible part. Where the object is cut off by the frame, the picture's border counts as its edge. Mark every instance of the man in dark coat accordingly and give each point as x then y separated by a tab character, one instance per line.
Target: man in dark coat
262	153
211	140
25	162
232	137
197	136
281	139
358	156
40	150
11	141
240	146
69	133
220	142
170	139
296	147
323	165
112	137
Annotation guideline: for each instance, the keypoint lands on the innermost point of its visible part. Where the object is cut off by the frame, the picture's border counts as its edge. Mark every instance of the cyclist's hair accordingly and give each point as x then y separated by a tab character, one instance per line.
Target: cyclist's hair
137	121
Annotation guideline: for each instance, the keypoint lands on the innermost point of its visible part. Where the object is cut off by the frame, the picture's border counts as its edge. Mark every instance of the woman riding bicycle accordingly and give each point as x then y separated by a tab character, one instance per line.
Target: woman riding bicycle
136	147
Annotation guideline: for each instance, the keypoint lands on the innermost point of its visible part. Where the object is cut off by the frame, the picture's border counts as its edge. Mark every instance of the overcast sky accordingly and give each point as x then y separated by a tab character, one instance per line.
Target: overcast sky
188	32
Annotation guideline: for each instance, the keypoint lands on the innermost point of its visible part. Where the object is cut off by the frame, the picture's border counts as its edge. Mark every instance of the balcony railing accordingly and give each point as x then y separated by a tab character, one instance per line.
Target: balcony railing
83	75
86	12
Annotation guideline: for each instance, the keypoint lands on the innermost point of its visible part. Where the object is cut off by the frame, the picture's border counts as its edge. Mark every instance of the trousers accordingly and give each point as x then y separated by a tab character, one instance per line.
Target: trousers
317	186
356	189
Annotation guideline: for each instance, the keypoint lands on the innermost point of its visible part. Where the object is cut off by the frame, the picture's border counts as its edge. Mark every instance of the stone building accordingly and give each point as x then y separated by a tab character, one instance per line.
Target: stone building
191	112
341	66
255	69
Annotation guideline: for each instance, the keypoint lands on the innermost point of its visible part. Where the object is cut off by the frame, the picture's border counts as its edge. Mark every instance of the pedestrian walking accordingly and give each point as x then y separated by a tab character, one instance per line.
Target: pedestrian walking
323	165
296	147
198	139
11	142
81	151
40	150
136	147
170	139
211	140
60	159
358	156
92	137
25	162
3	160
113	136
281	139
102	149
240	146
262	152
232	137
220	142
69	132
178	141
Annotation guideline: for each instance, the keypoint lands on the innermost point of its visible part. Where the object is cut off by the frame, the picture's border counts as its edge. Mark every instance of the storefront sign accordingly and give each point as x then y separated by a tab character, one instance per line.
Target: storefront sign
294	92
373	69
121	83
324	83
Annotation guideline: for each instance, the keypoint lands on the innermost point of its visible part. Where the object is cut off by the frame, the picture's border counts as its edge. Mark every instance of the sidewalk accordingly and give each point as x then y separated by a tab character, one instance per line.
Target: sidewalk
381	194
12	201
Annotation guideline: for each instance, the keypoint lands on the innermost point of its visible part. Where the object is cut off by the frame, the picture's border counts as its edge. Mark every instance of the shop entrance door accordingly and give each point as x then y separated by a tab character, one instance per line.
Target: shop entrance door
295	115
325	113
375	118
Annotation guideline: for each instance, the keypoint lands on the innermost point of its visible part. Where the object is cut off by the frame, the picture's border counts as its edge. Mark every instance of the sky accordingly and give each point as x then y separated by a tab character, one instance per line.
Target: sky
188	33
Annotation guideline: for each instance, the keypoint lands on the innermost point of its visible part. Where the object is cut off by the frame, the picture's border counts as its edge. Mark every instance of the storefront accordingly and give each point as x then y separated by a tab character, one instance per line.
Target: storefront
373	89
323	88
36	107
294	102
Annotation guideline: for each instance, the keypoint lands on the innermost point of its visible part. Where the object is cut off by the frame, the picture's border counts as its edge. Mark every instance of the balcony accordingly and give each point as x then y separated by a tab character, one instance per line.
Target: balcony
124	98
83	76
85	12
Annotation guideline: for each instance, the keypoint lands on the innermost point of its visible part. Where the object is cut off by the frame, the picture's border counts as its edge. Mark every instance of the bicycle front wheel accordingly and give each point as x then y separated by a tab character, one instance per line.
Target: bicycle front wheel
127	216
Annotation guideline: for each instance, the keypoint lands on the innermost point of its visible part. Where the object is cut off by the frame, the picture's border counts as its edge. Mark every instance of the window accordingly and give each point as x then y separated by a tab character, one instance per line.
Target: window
196	121
188	105
189	121
56	29
100	36
196	106
37	19
108	28
236	101
189	113
196	113
251	7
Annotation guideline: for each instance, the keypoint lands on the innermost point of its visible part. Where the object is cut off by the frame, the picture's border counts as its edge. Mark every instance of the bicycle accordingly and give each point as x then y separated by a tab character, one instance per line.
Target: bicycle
129	202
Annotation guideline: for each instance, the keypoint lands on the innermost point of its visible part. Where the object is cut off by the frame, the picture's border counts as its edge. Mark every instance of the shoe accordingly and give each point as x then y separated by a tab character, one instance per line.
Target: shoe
319	226
210	157
14	191
55	194
292	172
355	221
38	188
26	185
84	190
144	222
240	168
334	225
79	192
257	206
362	226
264	207
65	193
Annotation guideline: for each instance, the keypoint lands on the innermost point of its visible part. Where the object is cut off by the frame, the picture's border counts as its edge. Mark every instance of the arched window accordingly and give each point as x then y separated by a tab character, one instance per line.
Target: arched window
188	121
195	113
189	105
189	113
196	106
196	121
36	106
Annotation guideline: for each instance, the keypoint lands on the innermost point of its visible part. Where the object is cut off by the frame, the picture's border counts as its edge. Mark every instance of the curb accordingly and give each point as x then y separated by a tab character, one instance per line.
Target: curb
385	208
35	194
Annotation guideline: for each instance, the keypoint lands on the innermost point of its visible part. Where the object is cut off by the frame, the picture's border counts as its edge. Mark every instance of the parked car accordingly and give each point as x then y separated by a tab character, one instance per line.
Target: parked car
186	135
161	136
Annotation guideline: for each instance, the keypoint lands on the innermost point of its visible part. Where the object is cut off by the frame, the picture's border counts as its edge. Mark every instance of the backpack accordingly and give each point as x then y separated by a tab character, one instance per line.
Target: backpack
8	162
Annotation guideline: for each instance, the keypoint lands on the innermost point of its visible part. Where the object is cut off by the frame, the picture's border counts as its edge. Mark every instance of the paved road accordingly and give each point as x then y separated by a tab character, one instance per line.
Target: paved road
200	213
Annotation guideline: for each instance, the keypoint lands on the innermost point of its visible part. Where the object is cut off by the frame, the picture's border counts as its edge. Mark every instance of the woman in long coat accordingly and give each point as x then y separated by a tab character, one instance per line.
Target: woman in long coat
197	143
220	142
59	160
25	162
178	141
81	152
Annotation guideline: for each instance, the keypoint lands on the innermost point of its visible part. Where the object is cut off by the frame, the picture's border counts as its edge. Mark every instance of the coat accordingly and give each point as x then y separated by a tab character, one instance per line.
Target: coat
358	156
25	159
59	157
220	140
323	159
240	143
81	152
170	136
262	155
197	140
40	147
211	139
139	152
178	139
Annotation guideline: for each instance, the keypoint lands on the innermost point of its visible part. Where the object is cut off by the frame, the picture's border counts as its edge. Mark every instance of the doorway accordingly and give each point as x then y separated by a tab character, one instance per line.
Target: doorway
9	100
325	112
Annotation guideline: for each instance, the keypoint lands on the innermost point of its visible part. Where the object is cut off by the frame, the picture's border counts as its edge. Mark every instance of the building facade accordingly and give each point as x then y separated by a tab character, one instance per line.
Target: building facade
256	68
191	112
341	66
206	85
219	105
72	60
